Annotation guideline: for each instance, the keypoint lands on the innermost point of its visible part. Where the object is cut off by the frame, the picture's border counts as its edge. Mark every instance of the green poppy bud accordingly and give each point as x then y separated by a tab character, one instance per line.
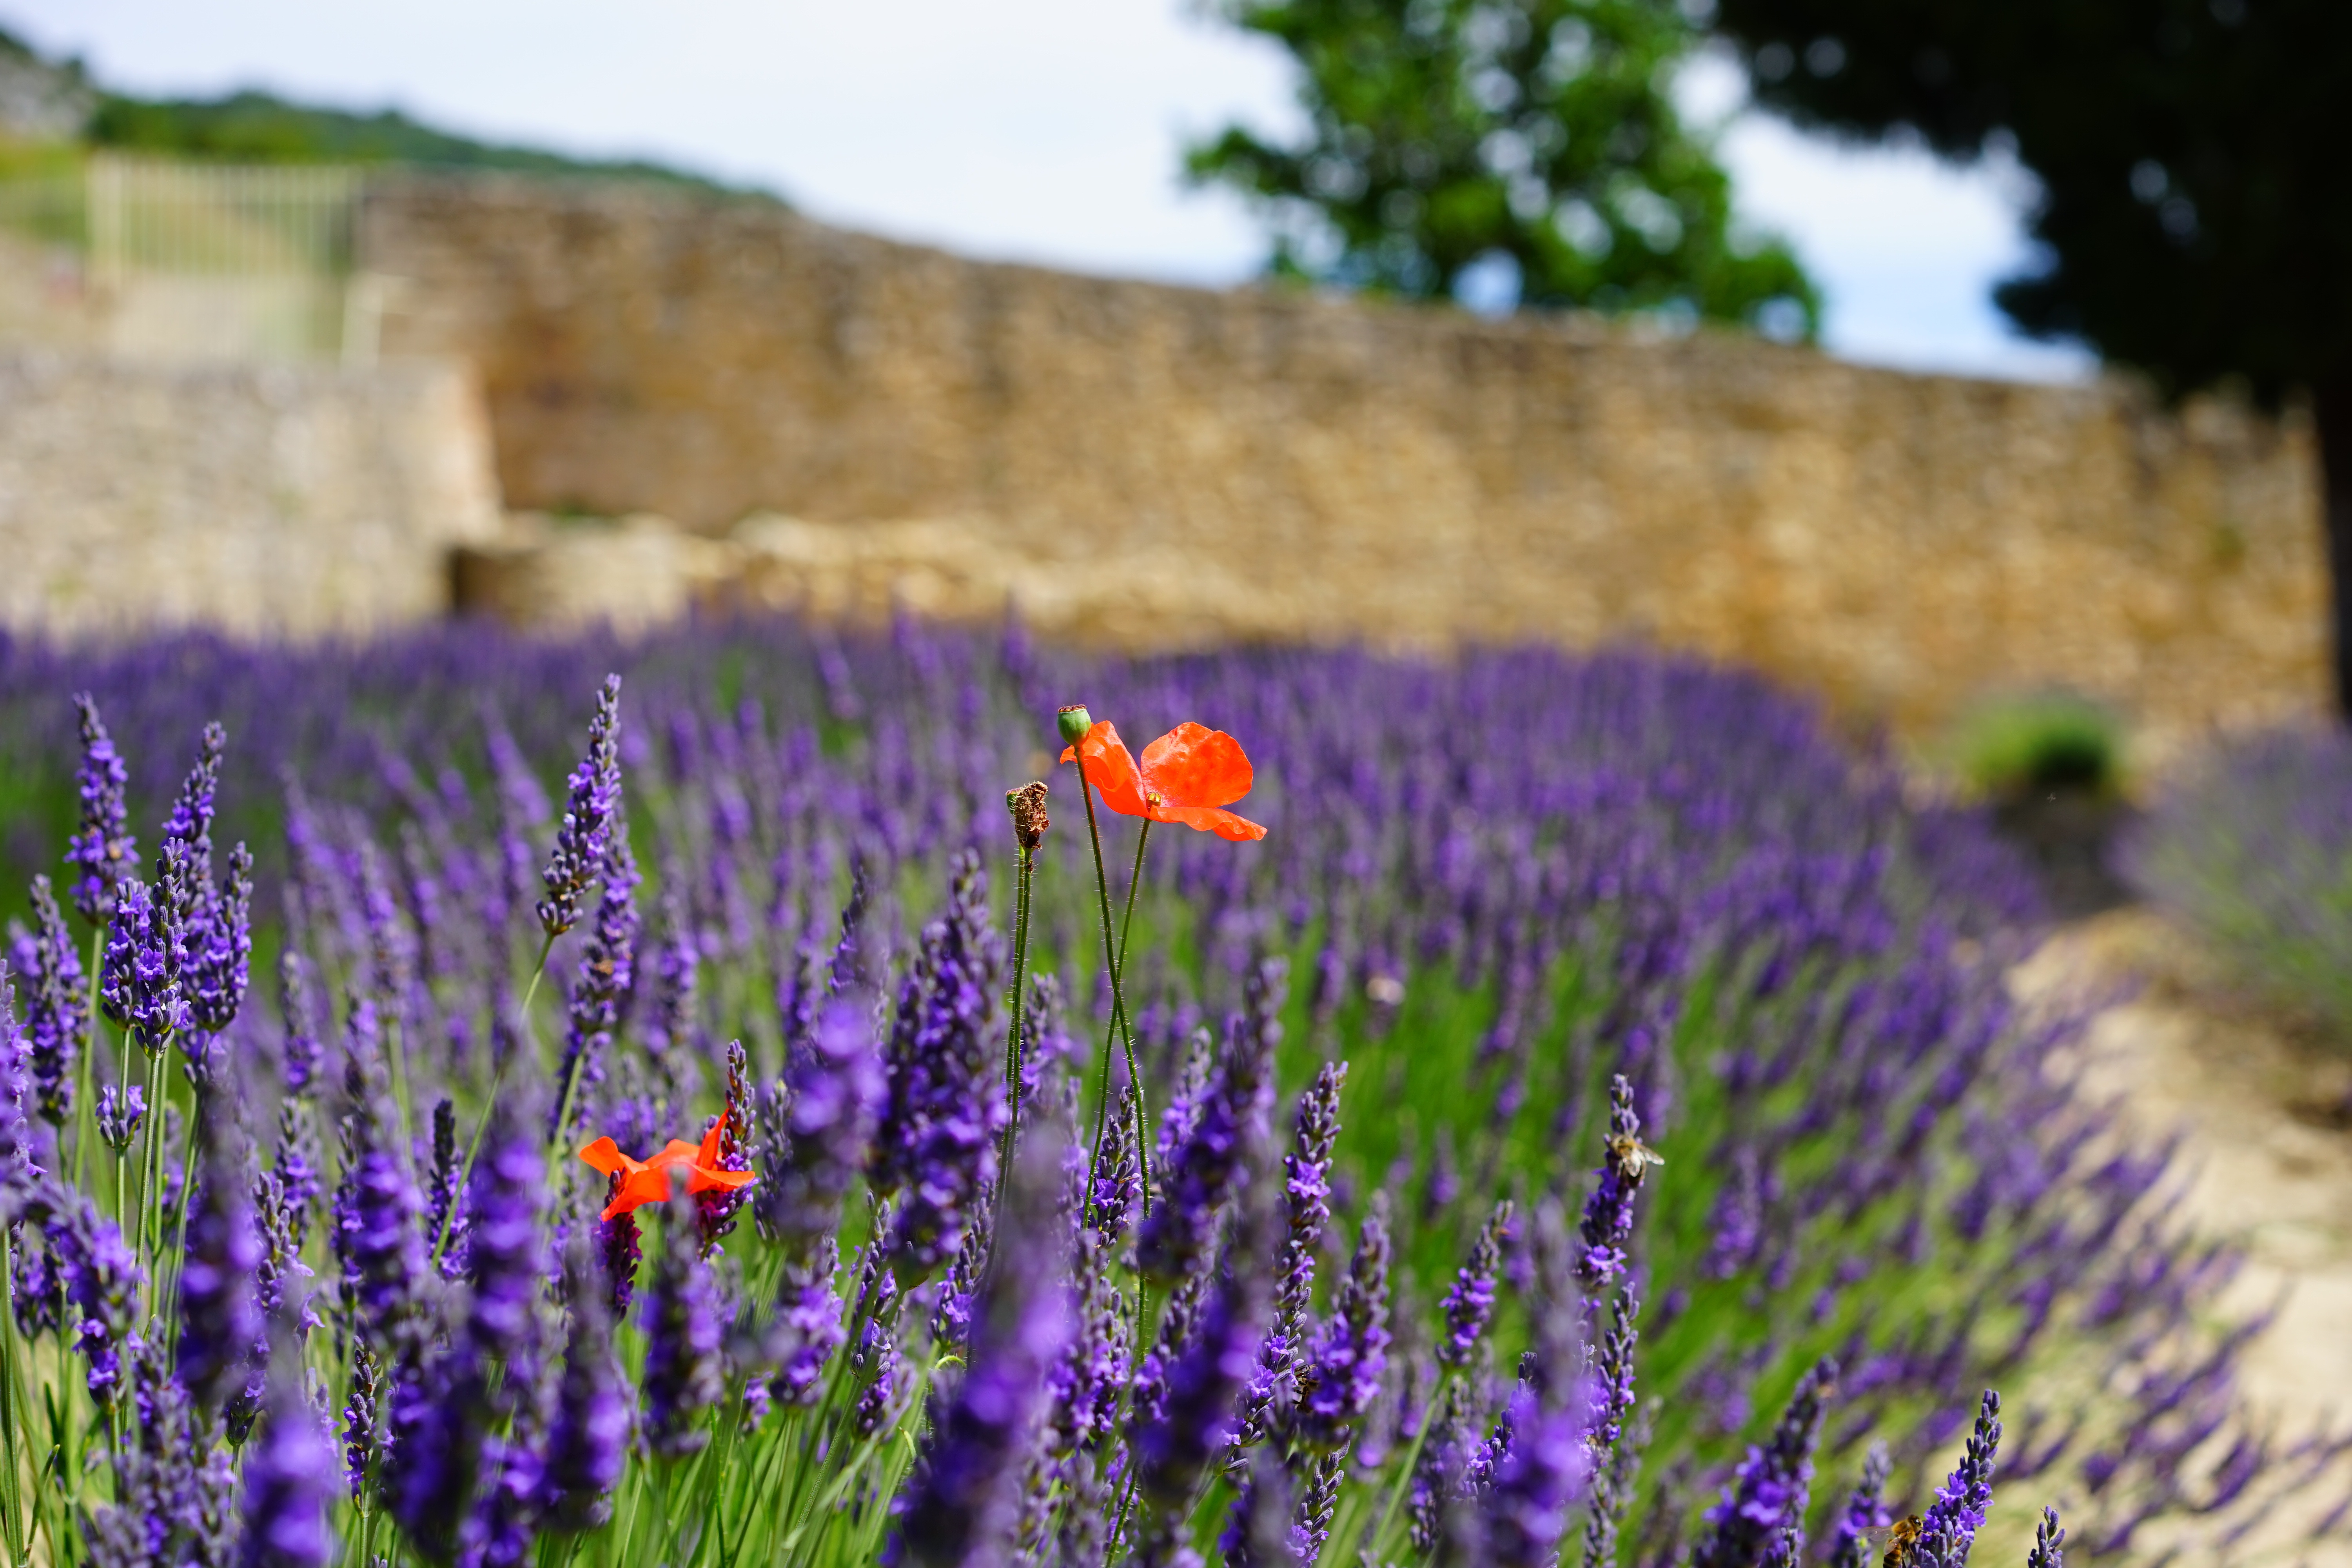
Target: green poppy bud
1074	721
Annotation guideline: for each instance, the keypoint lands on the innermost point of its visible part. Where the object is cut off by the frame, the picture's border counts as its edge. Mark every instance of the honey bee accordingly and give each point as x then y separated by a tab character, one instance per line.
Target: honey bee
1893	1542
1631	1158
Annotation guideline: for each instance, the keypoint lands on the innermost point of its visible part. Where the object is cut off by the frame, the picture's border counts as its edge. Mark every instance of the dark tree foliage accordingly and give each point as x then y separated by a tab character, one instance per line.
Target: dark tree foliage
2196	215
1453	133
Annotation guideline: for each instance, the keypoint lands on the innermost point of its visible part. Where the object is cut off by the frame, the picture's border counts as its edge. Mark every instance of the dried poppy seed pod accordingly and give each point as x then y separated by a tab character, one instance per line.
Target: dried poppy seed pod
1027	805
1074	722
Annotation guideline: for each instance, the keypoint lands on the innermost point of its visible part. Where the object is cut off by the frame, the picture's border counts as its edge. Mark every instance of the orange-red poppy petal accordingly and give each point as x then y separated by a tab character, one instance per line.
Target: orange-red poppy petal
705	1179
648	1183
1109	768
1210	819
1195	765
708	1154
605	1155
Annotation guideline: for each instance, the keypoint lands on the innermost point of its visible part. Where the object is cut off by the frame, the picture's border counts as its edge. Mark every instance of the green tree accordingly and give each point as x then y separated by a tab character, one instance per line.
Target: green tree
1535	139
2195	216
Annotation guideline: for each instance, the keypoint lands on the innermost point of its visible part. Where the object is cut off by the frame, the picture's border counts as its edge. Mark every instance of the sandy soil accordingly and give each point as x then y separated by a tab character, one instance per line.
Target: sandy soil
2260	1103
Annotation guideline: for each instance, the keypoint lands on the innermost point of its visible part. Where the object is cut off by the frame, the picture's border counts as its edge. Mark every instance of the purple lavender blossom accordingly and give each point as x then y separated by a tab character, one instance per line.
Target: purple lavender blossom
103	850
1195	1419
139	984
102	1283
588	1447
1337	1384
119	1115
580	842
297	1168
364	1431
682	1376
1768	1493
2049	1542
57	1004
301	1055
1864	1510
673	1031
1258	1533
20	1166
1608	1221
453	1416
1202	1174
619	1250
817	1130
806	1327
174	1491
1306	1197
443	1222
714	1210
964	1501
377	1206
289	1481
1949	1526
1469	1302
938	1139
606	975
220	1322
221	950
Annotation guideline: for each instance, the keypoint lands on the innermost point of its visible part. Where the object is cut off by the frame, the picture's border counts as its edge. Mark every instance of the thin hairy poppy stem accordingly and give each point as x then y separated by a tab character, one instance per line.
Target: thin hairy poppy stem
1012	1036
1118	998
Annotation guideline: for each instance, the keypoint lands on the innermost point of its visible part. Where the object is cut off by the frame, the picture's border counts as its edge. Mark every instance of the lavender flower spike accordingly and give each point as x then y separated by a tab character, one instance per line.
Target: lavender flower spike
139	982
220	954
220	1322
56	1005
1864	1510
947	1102
965	1503
102	848
2049	1542
607	975
1608	1222
818	1128
1951	1525
289	1480
1195	1418
682	1334
1207	1163
588	1449
595	796
18	1169
1307	1196
102	1285
1470	1303
1338	1384
1766	1495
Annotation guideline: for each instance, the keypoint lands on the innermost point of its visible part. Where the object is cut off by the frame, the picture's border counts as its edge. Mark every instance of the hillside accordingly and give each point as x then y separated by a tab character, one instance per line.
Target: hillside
46	100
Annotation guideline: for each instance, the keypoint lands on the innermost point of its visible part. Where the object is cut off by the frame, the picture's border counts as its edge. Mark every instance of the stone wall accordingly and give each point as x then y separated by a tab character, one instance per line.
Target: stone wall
1155	467
284	500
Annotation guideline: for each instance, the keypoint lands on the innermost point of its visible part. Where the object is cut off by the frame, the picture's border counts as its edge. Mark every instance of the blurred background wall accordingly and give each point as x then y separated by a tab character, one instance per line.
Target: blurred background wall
249	401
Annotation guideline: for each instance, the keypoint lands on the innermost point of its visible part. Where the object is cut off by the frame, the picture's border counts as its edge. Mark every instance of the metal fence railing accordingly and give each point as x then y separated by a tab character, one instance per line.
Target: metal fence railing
192	260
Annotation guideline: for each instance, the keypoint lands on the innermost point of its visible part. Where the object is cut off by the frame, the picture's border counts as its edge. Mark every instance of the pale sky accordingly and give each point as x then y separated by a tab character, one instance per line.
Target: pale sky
1041	130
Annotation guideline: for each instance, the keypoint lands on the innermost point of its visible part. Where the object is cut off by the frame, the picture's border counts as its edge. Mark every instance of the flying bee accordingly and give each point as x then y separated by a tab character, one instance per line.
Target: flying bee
1893	1542
1631	1158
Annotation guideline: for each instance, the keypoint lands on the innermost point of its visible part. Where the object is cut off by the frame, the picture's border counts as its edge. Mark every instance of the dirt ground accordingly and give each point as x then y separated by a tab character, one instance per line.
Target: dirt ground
2261	1103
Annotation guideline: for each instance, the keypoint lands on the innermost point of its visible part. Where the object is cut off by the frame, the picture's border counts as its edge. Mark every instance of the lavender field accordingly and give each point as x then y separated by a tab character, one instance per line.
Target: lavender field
462	1109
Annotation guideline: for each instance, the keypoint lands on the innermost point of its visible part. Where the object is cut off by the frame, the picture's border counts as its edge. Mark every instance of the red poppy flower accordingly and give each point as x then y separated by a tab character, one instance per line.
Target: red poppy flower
1188	775
640	1181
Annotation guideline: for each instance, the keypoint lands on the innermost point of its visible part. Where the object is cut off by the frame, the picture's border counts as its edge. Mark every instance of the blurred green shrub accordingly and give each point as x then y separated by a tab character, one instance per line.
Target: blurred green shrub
2049	742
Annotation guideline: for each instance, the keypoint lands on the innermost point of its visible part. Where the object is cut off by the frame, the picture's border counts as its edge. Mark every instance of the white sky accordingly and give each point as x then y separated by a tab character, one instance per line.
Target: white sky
1044	131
